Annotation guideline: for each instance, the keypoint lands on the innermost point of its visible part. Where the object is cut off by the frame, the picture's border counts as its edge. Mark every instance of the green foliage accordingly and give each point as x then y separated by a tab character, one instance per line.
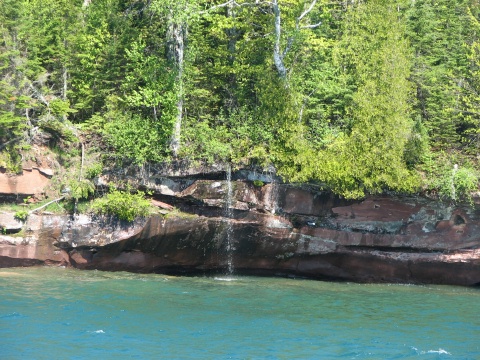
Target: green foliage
81	189
61	131
438	32
135	137
471	94
451	176
258	183
93	170
368	156
417	146
371	94
10	160
465	183
12	101
60	107
123	204
21	215
208	143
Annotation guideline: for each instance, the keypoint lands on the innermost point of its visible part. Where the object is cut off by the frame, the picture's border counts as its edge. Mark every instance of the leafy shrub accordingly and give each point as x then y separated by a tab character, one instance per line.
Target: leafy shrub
206	142
258	183
21	215
11	160
93	170
61	107
123	204
138	138
452	179
416	148
466	182
81	189
459	184
60	130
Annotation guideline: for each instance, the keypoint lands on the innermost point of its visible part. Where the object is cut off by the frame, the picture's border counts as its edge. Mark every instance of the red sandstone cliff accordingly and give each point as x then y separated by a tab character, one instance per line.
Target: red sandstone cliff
276	229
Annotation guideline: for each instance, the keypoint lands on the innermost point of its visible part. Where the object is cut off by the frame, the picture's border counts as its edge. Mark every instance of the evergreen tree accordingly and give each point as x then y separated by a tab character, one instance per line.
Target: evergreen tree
470	130
369	157
438	31
12	99
354	94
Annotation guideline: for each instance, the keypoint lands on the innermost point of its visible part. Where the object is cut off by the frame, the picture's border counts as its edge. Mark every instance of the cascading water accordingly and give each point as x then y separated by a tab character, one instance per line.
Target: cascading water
228	224
273	197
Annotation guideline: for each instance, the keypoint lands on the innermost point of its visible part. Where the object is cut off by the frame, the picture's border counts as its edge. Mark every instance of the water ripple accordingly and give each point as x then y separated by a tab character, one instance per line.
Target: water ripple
11	315
118	315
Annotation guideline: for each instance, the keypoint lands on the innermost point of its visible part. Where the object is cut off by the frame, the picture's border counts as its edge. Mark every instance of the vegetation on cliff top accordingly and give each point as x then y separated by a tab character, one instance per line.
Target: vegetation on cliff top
362	96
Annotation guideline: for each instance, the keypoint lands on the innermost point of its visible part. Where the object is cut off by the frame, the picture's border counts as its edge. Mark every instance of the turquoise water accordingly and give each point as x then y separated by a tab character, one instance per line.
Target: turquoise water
52	313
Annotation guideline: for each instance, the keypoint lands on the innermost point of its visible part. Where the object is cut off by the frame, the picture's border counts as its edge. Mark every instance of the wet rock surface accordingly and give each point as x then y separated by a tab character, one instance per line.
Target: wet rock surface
273	229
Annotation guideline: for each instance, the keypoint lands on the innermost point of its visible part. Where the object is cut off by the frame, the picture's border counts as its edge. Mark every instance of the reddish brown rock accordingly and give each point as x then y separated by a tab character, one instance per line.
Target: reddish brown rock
36	246
161	205
30	183
9	224
276	229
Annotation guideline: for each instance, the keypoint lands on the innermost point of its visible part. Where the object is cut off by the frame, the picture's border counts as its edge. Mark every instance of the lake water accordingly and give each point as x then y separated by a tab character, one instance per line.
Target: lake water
53	313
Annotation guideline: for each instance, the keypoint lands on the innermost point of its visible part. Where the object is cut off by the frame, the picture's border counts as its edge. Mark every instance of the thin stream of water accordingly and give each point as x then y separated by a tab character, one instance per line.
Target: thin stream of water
229	228
274	197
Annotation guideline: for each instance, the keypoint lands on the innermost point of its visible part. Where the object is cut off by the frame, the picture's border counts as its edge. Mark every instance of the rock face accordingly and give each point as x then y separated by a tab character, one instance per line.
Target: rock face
35	245
275	229
31	182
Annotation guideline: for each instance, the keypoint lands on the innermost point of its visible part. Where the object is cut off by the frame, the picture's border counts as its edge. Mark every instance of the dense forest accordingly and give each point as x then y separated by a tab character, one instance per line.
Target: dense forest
363	96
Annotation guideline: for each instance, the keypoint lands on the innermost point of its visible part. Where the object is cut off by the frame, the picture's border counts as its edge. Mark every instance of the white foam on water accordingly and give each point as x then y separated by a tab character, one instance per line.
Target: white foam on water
98	332
224	279
439	351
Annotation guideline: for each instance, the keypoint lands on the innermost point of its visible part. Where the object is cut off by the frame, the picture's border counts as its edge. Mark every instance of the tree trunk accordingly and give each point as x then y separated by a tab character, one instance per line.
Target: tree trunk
65	84
176	49
232	35
277	55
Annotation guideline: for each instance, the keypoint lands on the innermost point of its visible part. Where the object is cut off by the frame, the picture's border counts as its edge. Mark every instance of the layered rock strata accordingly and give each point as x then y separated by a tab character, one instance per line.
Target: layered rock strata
275	229
32	181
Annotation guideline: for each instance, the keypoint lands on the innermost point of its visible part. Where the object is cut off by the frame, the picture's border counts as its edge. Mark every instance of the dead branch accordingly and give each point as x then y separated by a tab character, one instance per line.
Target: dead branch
45	205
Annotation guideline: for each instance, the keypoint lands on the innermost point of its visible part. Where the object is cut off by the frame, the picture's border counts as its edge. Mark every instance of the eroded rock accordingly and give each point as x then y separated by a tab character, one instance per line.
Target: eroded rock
30	182
9	224
275	229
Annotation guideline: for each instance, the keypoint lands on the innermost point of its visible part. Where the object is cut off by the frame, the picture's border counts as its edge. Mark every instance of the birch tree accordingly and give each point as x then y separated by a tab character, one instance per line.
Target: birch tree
177	14
301	22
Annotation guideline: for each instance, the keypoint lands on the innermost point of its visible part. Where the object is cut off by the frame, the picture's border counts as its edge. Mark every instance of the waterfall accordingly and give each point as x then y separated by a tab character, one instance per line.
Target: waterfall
273	198
228	225
273	194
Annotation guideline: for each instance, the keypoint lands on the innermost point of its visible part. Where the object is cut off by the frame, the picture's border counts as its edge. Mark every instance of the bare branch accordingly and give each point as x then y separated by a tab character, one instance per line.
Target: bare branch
231	2
83	161
255	3
307	11
38	94
235	4
313	26
287	48
45	205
